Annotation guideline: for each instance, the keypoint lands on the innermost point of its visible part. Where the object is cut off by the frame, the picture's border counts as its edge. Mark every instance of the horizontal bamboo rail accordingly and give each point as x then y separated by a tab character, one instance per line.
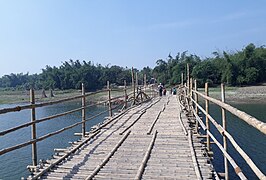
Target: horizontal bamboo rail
30	106
6	150
259	125
240	114
52	117
234	143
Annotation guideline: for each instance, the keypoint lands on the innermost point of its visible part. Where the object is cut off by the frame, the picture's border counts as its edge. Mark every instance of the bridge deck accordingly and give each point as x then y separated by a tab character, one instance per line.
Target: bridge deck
146	142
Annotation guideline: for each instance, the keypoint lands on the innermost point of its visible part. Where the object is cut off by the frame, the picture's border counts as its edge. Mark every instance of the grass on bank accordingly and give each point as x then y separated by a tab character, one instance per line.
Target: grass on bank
22	96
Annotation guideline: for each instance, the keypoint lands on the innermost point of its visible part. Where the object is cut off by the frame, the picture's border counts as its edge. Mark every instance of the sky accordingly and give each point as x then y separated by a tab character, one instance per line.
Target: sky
127	33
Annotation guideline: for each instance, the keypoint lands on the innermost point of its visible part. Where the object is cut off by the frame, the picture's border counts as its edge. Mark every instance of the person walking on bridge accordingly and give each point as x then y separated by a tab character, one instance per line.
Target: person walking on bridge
160	89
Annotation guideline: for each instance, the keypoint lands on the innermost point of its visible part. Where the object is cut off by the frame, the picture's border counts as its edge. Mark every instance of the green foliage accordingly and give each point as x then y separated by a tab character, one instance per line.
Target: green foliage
244	67
69	75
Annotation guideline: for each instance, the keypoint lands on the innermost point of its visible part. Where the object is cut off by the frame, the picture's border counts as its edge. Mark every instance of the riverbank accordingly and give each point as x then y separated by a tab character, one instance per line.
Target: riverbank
16	96
241	95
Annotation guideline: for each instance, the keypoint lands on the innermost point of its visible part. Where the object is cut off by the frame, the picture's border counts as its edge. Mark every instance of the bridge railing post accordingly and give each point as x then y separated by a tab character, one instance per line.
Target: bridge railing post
188	75
190	91
33	128
207	113
133	85
137	83
109	99
196	100
83	103
144	82
125	91
185	90
182	79
225	128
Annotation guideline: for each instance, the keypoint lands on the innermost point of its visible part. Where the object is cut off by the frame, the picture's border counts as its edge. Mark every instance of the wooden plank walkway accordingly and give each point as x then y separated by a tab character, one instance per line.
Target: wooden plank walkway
146	142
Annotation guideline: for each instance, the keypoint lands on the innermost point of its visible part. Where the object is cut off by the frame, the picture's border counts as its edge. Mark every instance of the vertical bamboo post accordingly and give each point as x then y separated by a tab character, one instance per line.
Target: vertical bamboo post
33	128
188	75
191	86
185	90
125	90
207	113
137	82
133	85
196	97
224	137
83	113
182	79
145	83
109	99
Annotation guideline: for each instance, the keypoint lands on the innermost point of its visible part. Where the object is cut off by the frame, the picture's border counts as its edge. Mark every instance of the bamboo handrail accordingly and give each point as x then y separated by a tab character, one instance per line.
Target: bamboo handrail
47	118
222	131
37	105
4	151
225	153
259	125
251	164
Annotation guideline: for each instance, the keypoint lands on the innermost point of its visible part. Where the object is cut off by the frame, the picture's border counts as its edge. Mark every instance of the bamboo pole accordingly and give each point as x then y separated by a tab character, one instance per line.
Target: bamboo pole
193	154
133	85
259	125
196	107
190	91
33	129
188	75
125	90
182	79
37	105
146	158
109	99
83	101
224	137
2	133
145	83
18	146
107	158
251	164
207	113
137	82
237	169
49	167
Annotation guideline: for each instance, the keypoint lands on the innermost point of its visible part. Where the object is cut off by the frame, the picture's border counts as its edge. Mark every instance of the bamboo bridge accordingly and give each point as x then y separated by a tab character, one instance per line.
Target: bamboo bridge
149	137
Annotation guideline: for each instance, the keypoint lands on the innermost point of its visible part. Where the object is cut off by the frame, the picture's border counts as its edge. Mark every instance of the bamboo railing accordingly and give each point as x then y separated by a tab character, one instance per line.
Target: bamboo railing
189	96
128	94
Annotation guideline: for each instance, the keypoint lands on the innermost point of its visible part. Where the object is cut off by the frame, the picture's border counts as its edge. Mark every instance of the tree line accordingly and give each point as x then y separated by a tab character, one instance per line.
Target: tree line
245	67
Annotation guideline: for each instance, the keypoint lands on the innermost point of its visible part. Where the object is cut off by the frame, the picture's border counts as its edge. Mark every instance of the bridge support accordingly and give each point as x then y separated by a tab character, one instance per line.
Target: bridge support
109	99
225	128
83	101
33	128
207	113
125	90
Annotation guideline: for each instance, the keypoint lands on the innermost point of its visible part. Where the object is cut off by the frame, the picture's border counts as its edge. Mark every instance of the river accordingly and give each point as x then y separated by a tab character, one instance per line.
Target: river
13	165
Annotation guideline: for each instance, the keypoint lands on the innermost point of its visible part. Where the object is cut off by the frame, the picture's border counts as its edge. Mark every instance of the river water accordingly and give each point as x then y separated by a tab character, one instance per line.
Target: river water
13	165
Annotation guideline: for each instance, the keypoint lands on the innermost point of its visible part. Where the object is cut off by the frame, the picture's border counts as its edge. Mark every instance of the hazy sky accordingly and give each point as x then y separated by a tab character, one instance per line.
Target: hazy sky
36	33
